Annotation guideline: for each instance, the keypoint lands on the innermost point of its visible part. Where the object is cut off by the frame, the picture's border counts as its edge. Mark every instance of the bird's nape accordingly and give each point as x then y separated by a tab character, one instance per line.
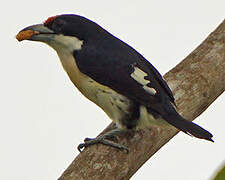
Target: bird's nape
111	74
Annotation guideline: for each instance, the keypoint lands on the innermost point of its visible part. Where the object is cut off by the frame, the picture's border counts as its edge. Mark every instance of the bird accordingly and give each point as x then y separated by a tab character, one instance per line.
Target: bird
113	75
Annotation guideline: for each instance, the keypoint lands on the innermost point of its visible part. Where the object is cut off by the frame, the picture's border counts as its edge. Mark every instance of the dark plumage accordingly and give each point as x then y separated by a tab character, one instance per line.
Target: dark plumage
123	82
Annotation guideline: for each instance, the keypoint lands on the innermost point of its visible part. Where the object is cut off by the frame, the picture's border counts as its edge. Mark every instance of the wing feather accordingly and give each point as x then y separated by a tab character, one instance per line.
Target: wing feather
120	67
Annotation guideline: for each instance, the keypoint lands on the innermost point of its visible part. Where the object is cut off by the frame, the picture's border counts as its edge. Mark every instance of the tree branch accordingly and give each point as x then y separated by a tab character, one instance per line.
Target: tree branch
196	82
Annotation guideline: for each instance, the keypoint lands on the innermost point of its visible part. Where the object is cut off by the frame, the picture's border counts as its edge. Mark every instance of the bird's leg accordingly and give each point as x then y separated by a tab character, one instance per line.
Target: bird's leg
103	139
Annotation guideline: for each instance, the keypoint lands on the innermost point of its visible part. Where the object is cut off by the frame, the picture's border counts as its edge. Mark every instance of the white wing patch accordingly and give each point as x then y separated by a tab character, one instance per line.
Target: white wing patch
150	90
139	76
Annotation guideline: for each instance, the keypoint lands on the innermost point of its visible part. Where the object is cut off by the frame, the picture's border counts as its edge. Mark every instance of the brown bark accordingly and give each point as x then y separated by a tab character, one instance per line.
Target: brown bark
196	82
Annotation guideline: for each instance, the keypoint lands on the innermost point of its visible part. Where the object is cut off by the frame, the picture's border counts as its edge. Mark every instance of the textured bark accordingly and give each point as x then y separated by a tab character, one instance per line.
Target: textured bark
196	82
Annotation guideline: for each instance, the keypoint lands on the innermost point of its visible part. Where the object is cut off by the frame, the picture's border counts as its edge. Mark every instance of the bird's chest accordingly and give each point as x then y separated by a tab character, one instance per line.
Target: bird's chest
115	105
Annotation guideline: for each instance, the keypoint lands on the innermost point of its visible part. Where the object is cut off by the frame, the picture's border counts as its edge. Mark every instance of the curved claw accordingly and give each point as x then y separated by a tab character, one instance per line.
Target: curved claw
101	140
88	142
81	146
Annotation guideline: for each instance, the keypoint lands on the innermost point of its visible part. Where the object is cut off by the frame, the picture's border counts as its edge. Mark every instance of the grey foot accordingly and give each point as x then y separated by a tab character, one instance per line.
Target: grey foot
103	140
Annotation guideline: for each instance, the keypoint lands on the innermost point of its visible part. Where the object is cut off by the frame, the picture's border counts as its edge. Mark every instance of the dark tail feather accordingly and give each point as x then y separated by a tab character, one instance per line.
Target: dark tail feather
188	127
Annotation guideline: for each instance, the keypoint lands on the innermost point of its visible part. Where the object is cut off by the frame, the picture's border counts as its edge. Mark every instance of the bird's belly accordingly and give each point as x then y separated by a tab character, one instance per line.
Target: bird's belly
116	106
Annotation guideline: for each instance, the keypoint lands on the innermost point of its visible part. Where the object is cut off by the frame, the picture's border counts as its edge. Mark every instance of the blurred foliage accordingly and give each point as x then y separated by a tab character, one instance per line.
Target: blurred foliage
221	174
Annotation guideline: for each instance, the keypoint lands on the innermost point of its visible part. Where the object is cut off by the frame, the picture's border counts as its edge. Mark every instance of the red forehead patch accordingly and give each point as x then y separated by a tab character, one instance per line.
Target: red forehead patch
50	19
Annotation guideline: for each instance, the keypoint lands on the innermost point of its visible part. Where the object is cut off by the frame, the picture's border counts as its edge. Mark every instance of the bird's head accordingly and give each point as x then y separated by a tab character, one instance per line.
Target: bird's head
63	31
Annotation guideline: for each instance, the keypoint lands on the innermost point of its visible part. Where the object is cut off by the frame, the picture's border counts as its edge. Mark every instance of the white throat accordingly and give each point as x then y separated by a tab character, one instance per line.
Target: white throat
68	43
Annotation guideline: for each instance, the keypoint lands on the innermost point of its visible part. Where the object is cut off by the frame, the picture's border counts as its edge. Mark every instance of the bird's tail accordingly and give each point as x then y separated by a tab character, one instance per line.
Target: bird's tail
188	127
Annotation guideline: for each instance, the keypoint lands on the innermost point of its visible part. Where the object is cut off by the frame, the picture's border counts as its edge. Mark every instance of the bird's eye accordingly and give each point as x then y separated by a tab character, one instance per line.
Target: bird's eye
57	25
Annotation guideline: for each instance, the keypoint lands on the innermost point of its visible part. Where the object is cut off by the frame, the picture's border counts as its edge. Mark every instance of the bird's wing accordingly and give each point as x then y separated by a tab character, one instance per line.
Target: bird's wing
128	73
